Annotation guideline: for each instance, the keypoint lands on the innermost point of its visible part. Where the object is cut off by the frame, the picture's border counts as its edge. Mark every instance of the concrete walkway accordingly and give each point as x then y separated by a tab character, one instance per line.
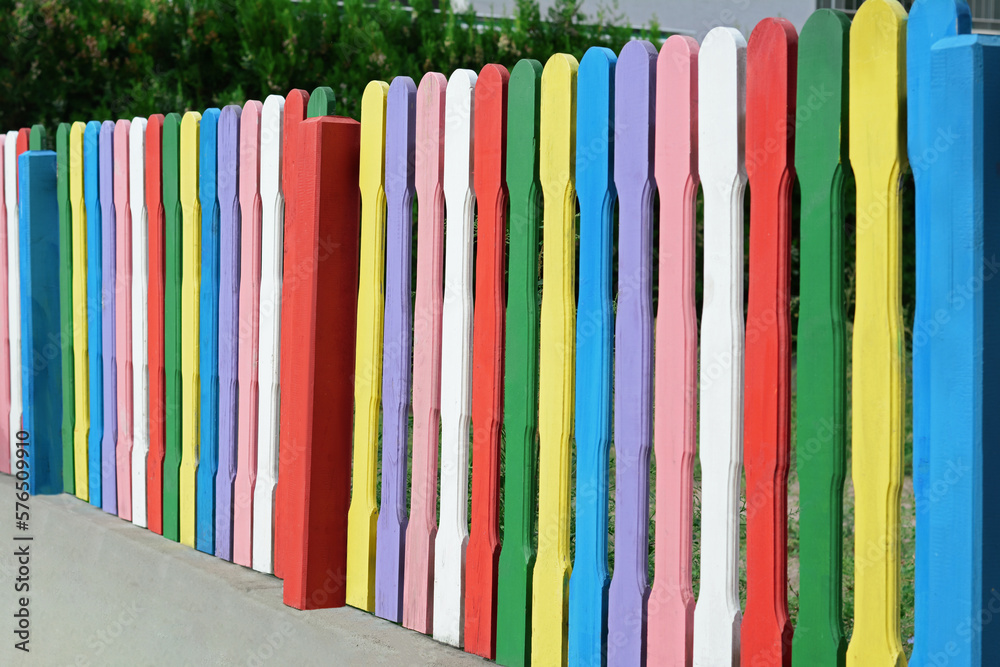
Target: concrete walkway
105	592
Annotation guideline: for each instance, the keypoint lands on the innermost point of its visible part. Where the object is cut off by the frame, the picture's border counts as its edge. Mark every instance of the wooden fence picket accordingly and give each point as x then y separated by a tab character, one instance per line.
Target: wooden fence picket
489	166
878	156
208	333
39	243
65	316
172	327
363	514
268	368
670	614
721	104
418	572
317	375
91	184
155	316
397	348
320	103
770	166
81	375
456	367
6	437
635	114
229	162
928	22
123	318
595	140
109	288
251	215
36	138
557	335
821	164
140	317
13	292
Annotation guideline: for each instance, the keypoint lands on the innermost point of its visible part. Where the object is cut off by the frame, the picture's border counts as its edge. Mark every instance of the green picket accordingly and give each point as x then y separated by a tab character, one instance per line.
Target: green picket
66	298
320	102
172	324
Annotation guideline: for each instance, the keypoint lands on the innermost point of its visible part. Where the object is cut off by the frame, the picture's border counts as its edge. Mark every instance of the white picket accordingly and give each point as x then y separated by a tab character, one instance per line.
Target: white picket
456	362
721	105
140	325
268	368
13	290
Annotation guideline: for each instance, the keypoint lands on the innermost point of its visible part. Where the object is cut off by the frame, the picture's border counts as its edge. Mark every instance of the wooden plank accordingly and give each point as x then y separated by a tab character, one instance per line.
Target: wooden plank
65	313
595	139
39	241
109	293
36	138
157	275
397	346
81	375
92	199
320	103
13	292
721	104
928	22
208	333
251	215
140	317
418	573
556	359
172	323
272	249
770	164
317	370
363	514
7	454
296	103
489	169
229	324
670	614
878	156
820	163
123	318
635	115
517	555
456	367
963	185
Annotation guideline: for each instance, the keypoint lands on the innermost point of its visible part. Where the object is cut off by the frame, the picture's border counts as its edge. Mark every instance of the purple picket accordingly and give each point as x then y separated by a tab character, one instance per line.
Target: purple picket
635	91
228	166
397	348
109	441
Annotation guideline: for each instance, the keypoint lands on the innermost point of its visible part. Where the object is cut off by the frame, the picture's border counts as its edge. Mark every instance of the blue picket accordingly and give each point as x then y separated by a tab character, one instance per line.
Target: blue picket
92	203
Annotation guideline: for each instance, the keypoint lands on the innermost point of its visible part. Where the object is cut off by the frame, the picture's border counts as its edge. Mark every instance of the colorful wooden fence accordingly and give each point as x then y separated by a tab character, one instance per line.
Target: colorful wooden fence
240	341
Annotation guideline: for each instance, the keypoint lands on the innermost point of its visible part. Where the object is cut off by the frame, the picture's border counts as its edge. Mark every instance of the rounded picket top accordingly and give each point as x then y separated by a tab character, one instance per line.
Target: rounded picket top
321	102
458	135
401	115
722	104
558	121
677	102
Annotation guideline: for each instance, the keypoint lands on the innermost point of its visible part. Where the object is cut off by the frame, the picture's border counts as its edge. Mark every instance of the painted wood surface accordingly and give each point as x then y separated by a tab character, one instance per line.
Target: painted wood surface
418	573
21	144
81	366
320	103
140	317
296	105
363	514
962	184
318	364
595	140
65	315
229	162
92	199
517	554
878	157
123	318
770	165
6	437
821	163
272	250
208	332
157	377
37	138
928	22
456	367
670	612
190	322
557	334
41	382
397	346
109	293
721	105
251	214
172	323
489	169
13	292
